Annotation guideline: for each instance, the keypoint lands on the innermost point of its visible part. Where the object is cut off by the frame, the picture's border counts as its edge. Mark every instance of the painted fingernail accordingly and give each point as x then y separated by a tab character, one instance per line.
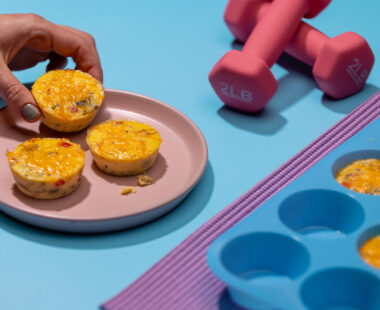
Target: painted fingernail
30	112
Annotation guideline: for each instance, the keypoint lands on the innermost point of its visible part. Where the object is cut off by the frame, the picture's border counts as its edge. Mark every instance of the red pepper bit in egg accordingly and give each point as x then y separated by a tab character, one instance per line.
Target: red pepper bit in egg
66	144
119	122
60	182
346	184
74	110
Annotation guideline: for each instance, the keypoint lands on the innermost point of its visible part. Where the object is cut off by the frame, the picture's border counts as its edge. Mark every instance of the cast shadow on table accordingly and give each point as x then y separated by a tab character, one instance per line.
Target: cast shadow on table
269	120
185	212
347	105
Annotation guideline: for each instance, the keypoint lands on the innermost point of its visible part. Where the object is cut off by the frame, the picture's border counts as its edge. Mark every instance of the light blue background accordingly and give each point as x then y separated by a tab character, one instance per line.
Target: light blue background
165	49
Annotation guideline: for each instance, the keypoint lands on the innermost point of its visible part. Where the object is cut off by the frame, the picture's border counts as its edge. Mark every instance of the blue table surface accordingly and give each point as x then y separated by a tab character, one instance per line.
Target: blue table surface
165	49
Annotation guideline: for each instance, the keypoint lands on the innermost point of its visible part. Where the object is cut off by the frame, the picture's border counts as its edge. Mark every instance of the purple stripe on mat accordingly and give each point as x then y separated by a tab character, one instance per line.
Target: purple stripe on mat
182	279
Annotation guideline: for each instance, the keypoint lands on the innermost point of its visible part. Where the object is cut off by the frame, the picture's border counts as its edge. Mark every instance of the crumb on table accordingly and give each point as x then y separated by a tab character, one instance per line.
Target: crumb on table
127	190
144	180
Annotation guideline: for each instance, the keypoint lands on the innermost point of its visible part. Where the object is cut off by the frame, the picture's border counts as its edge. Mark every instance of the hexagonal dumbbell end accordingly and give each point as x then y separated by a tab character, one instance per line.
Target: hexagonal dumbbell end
242	81
343	65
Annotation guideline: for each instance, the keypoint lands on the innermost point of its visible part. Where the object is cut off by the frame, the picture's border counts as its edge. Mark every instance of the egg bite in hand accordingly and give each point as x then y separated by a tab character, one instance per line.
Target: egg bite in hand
68	99
123	147
47	168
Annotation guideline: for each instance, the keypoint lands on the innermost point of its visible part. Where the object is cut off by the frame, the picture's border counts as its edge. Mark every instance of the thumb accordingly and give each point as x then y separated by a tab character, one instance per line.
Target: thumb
17	95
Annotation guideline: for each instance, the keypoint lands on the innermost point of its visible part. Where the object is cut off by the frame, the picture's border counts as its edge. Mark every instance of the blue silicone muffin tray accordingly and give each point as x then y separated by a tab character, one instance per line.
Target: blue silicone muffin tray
300	249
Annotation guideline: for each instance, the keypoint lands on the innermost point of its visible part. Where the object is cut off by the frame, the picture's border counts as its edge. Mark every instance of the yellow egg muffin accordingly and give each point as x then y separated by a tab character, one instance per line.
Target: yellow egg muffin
123	147
68	99
370	251
47	168
362	176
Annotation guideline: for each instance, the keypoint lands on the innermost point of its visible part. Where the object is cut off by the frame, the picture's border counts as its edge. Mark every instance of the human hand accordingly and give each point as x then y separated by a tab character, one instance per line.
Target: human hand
27	39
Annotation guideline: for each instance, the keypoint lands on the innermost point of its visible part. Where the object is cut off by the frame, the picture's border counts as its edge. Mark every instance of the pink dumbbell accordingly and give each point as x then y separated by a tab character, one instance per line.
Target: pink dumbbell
242	79
341	65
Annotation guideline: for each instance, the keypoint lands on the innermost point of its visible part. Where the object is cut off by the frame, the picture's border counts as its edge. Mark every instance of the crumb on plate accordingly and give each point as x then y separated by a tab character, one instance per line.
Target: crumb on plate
127	190
144	180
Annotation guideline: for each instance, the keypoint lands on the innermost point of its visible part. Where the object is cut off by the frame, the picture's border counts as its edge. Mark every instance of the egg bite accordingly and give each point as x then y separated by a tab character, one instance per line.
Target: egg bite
370	251
47	168
68	99
362	176
123	147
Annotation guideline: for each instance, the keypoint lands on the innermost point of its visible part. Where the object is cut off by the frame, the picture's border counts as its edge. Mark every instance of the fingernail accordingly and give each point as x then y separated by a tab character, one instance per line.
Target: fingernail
30	112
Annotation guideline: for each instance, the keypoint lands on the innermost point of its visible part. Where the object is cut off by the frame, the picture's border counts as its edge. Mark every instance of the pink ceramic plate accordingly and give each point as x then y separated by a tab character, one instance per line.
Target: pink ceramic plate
97	205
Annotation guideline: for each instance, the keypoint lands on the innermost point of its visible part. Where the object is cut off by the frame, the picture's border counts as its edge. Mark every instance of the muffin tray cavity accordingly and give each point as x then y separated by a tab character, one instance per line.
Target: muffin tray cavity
300	249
